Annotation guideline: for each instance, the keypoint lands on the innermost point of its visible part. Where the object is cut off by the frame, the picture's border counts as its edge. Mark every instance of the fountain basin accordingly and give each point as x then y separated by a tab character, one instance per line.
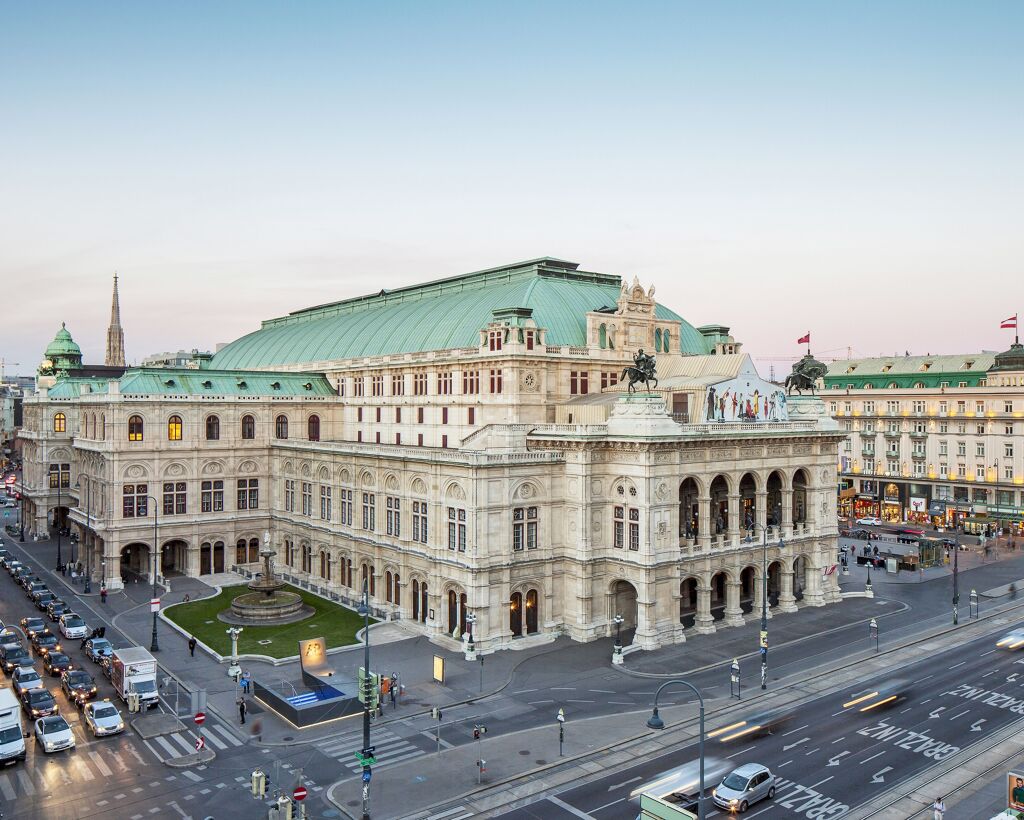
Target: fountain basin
258	608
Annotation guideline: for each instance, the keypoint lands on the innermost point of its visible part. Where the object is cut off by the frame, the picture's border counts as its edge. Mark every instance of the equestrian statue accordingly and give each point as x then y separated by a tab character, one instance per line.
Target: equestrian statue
641	372
805	375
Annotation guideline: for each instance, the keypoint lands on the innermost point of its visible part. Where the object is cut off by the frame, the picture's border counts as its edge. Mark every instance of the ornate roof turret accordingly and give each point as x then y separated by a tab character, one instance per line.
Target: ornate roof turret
1012	359
62	354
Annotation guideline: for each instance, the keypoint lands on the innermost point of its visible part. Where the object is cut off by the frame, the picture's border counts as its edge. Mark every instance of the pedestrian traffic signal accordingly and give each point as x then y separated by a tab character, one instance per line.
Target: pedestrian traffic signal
435	713
476	733
259	784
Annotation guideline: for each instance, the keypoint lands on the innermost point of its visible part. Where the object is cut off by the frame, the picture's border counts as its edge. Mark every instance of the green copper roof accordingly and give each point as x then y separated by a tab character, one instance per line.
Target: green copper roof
62	345
908	371
440	315
169	381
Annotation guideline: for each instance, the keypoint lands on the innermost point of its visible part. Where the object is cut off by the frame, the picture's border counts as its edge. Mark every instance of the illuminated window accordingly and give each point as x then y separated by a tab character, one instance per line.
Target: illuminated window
60	423
174	428
135	427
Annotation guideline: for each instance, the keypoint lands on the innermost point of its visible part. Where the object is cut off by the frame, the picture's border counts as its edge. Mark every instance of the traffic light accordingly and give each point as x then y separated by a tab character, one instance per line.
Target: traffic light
476	733
259	784
435	713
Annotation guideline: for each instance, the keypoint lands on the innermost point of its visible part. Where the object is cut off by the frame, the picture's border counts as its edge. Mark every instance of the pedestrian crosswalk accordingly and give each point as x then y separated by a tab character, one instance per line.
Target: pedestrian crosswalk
388	748
218	737
80	766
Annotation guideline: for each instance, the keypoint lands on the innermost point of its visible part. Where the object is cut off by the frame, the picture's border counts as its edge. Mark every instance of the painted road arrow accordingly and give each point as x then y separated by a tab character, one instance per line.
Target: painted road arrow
1012	678
834	761
877	776
935	713
794	745
976	726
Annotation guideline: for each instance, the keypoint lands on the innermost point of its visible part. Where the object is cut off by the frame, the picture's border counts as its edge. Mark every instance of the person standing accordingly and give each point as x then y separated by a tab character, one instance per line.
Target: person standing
242	710
192	646
103	595
938	809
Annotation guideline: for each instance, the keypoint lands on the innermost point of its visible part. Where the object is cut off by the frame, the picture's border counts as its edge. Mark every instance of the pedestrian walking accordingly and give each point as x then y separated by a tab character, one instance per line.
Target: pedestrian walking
938	809
192	646
246	680
242	710
103	595
257	730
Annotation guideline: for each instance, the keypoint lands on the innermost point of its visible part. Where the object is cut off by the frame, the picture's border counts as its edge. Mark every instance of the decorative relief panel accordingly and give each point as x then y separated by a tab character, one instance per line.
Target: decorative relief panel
722	453
801	449
596	487
751	451
662	491
529	382
778	450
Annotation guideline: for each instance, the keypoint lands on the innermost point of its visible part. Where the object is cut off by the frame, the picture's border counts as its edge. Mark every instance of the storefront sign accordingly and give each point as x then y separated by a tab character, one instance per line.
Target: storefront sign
918	505
937	508
892	493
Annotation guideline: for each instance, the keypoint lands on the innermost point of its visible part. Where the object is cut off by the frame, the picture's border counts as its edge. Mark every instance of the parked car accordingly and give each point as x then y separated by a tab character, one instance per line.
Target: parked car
743	787
96	649
870	521
72	626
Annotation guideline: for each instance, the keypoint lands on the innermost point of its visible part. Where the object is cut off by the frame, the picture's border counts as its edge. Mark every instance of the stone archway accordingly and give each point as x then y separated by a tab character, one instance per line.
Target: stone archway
174	558
689	509
775	485
800	487
774	583
801	567
718	584
688	602
136	561
624	603
748	583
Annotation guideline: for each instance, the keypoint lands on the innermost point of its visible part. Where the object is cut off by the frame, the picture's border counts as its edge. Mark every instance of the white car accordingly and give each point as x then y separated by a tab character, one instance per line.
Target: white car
102	718
54	733
1012	640
870	521
72	626
25	679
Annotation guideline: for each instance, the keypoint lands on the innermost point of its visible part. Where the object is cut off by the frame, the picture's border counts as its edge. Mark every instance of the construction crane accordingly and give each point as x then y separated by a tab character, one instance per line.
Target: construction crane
3	369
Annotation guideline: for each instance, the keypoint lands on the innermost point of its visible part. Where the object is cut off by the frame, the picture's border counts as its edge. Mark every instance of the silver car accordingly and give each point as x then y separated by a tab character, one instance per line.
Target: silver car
102	718
745	786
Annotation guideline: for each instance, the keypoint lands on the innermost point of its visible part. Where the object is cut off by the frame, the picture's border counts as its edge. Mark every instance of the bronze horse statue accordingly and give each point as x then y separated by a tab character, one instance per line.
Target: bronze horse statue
641	372
805	375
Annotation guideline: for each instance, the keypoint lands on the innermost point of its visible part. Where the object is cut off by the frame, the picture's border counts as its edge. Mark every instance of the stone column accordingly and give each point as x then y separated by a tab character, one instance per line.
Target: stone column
703	622
787	513
646	635
787	603
761	503
733	611
112	573
732	533
813	595
704	522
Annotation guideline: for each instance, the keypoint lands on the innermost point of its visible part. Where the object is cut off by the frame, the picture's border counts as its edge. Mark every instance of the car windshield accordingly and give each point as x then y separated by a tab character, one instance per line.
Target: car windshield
72	623
735	782
47	640
54	723
17	653
56	658
100	645
40	697
26	674
105	711
10	734
144	686
79	679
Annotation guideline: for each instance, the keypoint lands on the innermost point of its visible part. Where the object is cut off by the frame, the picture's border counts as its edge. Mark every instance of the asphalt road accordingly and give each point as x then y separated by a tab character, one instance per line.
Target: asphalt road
830	759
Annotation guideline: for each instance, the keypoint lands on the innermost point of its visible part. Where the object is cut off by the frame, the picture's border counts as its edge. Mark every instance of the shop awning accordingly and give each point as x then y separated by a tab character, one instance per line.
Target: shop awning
849	492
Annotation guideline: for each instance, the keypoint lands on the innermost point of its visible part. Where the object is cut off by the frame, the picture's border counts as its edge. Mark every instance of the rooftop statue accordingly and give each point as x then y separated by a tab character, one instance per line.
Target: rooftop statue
805	375
641	372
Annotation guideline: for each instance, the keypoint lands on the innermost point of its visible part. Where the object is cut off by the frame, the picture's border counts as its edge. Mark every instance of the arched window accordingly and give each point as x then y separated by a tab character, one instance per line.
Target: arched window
212	428
240	551
60	423
657	339
103	426
666	341
387	586
307	558
135	428
248	427
314	428
281	427
254	550
602	336
174	428
398	590
325	566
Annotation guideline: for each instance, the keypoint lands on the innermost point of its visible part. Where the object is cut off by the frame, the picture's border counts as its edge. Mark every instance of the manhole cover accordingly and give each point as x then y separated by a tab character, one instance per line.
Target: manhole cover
524	752
288	737
540	762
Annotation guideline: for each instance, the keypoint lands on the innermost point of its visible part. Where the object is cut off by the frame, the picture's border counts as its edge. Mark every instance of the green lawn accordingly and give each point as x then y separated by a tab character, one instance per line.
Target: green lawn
337	625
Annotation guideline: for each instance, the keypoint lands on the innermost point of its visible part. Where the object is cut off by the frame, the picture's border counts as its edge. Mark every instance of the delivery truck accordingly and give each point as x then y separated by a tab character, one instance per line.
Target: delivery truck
12	739
133	673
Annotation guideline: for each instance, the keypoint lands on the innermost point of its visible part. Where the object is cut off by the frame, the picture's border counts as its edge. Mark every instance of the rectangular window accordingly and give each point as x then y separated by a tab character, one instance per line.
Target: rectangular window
378	438
456	529
1008	449
398	438
1008	472
961	448
378	414
248	493
524	528
494	339
619	527
174	498
213	496
325	503
529	340
892	407
377	384
918	406
358	388
470	382
307	498
1007	406
980	472
979	407
341	387
961	470
419	415
833	407
1008	430
346	507
869	407
444	383
134	500
397	384
943	448
980	429
419	384
444	415
961	407
471	415
979	448
289	495
394	516
444	441
579	382
419	521
369	512
893	467
496	381
634	528
848	407
60	476
943	427
419	439
398	415
359	414
869	465
610	378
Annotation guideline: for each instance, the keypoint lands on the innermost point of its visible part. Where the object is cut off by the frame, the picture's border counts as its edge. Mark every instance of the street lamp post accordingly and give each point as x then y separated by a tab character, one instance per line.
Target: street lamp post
655	722
88	529
873	631
764	605
56	517
560	717
956	576
154	645
364	610
21	515
617	651
234	670
470	646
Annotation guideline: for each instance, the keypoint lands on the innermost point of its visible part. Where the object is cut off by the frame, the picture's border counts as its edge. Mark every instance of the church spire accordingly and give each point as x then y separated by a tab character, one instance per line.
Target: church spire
115	335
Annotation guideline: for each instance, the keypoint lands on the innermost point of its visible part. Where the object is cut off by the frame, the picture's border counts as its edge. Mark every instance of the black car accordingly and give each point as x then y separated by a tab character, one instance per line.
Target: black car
57	663
44	643
43	600
33	625
5	556
78	685
36	592
55	609
14	656
39	703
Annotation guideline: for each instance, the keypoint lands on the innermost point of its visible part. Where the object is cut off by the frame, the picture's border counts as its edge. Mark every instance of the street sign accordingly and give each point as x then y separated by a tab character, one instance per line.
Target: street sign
367	773
154	605
299	793
200	743
200	718
764	639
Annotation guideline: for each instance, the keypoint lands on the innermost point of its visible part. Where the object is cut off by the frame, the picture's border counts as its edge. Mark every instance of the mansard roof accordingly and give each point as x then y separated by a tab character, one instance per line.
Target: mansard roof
170	381
441	315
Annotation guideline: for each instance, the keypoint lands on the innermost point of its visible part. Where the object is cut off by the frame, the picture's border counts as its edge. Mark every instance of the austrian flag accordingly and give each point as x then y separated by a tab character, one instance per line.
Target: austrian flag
806	340
1011	322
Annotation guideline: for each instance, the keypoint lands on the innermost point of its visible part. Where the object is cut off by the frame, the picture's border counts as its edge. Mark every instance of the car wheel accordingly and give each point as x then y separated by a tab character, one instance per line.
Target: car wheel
743	806
771	792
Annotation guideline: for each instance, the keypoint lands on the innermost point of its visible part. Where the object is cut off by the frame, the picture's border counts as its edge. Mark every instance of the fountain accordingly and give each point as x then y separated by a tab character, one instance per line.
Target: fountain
267	603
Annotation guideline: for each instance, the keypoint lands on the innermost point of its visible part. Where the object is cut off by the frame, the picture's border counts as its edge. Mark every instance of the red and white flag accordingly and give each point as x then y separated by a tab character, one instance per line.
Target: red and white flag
806	340
1010	323
830	570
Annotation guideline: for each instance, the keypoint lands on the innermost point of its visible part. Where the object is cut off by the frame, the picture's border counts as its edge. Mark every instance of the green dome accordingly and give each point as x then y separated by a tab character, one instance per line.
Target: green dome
62	345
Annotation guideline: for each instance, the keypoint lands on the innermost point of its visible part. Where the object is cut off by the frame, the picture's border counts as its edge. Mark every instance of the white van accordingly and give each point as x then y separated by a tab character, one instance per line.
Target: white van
12	740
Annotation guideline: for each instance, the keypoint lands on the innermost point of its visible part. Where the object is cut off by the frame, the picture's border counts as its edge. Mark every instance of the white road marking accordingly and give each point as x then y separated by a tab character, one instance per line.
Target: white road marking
538	702
903	712
7	788
989	673
983	654
961	714
99	763
192	776
563	688
520	692
922	679
572	700
621	703
167	747
623	783
808	754
26	782
822	781
575	811
834	742
834	714
602	691
955	665
871	758
792	731
785	764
